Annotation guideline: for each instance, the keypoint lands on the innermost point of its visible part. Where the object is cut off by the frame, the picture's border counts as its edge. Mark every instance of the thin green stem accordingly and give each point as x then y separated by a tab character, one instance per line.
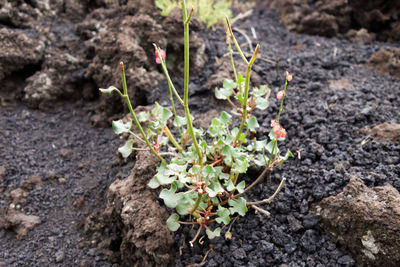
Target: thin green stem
283	97
128	102
171	138
272	152
186	84
196	205
236	43
164	67
246	93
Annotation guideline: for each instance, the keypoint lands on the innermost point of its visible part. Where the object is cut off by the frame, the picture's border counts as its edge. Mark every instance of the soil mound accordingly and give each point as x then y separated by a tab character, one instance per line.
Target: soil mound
360	21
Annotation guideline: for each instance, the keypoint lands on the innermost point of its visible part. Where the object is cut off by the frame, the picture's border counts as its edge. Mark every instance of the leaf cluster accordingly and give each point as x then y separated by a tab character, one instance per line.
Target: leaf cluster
210	12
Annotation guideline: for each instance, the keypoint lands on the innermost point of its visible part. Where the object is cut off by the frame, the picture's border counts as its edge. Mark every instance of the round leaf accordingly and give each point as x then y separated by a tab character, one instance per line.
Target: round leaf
172	222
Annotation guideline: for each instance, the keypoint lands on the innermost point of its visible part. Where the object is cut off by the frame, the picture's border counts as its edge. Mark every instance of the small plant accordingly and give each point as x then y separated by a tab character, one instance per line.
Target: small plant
202	171
210	12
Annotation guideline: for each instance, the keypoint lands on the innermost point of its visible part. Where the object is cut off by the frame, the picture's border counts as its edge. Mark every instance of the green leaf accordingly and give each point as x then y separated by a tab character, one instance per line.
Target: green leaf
230	185
271	135
213	234
180	121
185	205
153	183
209	170
143	116
120	127
229	84
126	149
261	103
225	117
166	114
240	186
240	166
287	155
169	196
223	214
252	123
109	90
260	91
238	206
172	222
227	152
240	78
270	146
223	93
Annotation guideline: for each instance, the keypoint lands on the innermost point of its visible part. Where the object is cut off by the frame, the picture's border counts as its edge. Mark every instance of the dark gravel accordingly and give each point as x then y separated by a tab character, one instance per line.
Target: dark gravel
322	122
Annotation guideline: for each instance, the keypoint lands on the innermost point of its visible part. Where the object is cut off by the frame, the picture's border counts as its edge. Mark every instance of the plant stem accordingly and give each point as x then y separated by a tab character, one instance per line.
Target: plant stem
171	138
265	171
196	205
283	97
246	93
268	200
186	84
128	102
164	67
235	42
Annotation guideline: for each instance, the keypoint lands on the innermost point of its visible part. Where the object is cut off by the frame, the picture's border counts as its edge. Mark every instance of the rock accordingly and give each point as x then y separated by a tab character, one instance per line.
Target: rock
384	132
20	223
60	255
31	183
360	36
309	221
239	254
309	240
369	215
346	260
18	50
145	236
266	247
18	196
386	61
61	76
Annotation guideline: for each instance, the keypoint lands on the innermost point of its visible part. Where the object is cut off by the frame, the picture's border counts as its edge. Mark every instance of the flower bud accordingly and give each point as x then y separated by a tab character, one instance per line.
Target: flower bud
280	94
162	54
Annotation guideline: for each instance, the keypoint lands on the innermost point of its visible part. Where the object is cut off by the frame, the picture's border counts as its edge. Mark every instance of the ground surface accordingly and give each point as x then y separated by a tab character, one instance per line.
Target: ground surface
332	96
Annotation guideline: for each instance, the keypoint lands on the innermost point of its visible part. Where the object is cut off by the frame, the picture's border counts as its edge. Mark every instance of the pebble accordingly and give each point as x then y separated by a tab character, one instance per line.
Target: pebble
346	260
60	255
239	254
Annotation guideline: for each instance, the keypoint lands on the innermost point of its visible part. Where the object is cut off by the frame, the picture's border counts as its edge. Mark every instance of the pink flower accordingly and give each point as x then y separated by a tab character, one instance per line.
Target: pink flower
162	54
279	131
280	94
289	76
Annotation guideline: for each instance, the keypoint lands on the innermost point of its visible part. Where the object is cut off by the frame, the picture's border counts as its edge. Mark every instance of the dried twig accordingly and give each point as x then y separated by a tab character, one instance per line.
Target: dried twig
269	200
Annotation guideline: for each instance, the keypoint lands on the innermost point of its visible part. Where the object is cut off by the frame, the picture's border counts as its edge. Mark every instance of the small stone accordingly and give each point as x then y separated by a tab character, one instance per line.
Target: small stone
60	256
309	240
239	254
294	224
346	260
266	247
290	247
62	180
309	221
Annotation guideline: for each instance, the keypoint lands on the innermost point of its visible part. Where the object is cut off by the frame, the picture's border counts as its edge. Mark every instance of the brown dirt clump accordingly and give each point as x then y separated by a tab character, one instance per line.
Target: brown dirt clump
19	222
141	221
365	220
386	61
384	132
357	20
